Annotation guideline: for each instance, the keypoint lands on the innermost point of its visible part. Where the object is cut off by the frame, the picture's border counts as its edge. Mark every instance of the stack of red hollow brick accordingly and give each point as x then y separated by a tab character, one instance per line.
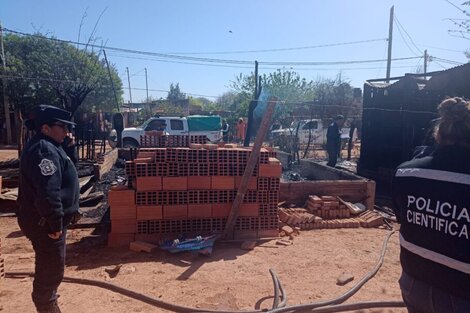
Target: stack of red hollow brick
159	139
191	190
328	212
2	262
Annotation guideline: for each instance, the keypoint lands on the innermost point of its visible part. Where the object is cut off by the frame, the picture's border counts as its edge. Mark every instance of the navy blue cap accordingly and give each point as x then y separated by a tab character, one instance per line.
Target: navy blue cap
46	114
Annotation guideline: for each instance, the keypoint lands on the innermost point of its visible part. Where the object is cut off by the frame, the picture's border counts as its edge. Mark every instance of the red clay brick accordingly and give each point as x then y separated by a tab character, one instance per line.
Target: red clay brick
175	211
223	182
145	155
252	183
149	212
175	183
149	183
199	182
249	209
221	209
123	226
123	212
270	170
199	210
121	197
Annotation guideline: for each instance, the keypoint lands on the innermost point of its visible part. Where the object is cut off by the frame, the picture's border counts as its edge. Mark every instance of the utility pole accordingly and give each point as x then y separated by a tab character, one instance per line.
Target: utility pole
251	108
6	105
256	79
390	33
425	63
147	89
129	83
146	85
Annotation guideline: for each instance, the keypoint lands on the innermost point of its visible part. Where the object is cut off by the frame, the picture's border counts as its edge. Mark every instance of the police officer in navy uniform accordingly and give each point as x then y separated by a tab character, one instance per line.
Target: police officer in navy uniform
432	203
333	140
48	200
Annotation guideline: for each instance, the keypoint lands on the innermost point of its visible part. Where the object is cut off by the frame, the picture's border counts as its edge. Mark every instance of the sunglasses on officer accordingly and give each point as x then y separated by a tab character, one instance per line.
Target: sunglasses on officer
63	126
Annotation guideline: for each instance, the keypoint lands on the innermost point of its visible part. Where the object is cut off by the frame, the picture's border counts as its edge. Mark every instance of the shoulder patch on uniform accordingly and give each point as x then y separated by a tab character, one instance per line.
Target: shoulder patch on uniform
47	167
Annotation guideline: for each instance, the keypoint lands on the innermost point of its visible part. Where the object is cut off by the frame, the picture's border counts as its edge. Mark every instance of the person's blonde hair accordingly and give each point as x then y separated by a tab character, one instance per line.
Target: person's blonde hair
454	125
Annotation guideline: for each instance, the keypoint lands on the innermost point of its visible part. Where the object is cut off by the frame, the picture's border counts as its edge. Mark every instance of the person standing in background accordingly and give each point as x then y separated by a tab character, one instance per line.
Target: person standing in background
225	128
48	199
333	140
432	203
241	130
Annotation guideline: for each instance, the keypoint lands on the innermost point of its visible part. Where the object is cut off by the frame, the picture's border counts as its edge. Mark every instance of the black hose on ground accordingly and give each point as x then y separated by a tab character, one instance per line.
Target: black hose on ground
276	289
346	295
152	301
318	307
283	294
359	306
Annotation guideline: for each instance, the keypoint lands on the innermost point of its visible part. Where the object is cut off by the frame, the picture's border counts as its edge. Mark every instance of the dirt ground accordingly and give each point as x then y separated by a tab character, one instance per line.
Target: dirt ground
230	278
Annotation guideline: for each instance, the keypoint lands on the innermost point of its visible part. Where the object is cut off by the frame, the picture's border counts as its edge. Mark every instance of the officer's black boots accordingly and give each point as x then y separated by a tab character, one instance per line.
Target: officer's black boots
54	308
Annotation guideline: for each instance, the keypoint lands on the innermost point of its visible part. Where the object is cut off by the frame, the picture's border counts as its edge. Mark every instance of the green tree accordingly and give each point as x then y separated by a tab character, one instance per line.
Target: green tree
333	91
44	70
286	85
175	94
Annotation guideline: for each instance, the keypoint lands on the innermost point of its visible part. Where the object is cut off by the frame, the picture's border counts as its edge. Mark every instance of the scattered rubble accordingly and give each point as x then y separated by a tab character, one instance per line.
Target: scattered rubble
344	278
326	212
112	272
284	242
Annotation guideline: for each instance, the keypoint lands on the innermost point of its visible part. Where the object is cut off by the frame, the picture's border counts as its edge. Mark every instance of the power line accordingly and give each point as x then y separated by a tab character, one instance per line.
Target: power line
209	60
336	62
438	48
239	67
448	61
283	49
405	41
442	66
411	39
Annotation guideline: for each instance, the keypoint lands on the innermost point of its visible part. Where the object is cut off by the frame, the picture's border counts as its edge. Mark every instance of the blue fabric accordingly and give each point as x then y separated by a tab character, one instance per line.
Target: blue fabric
50	261
421	297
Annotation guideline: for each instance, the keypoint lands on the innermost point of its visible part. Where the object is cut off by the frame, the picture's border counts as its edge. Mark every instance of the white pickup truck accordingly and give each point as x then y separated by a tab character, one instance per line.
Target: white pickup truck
312	131
197	125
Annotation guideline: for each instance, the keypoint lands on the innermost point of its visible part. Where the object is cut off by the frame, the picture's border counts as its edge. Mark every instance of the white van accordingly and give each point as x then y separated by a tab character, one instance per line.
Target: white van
196	125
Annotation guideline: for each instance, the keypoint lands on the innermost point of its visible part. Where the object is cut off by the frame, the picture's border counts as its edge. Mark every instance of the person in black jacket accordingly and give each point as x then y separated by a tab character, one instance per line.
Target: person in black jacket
48	199
333	140
432	203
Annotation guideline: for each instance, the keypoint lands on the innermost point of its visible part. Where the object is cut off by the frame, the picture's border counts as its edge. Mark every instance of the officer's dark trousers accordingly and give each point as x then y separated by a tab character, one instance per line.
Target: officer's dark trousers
421	297
50	262
332	156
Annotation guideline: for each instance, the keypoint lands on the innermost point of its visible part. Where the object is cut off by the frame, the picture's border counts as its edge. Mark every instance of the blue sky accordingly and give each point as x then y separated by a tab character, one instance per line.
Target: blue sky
205	28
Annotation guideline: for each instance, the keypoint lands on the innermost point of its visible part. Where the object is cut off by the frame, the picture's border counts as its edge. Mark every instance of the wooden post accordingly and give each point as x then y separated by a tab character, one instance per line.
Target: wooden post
6	106
370	194
232	217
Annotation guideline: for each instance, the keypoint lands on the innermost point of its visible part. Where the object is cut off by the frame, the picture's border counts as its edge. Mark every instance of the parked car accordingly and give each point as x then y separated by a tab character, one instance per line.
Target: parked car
312	130
197	125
